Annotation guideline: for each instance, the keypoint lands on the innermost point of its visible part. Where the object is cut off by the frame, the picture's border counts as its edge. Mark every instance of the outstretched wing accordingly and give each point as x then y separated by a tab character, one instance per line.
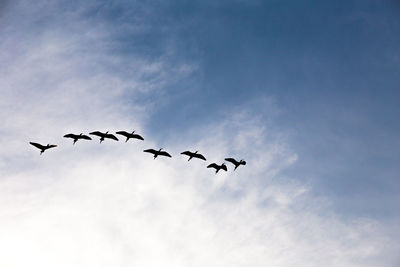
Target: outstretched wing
223	166
199	156
126	134
70	136
111	136
85	137
164	153
152	151
187	153
100	134
213	165
232	160
137	136
37	145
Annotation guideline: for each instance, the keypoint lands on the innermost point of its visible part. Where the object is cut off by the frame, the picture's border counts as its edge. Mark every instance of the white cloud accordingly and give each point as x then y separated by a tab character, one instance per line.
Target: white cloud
112	204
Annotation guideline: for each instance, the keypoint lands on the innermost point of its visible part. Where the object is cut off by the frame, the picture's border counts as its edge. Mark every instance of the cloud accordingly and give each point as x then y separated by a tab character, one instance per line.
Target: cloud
119	206
112	204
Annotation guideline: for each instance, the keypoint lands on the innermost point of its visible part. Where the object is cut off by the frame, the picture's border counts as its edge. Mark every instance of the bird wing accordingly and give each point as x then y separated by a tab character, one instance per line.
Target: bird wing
223	166
164	153
187	153
97	133
111	136
85	137
232	160
70	135
37	145
152	151
137	136
126	134
199	156
213	165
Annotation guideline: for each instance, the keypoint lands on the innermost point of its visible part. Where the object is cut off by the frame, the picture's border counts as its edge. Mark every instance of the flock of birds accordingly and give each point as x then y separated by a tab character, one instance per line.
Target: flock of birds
133	135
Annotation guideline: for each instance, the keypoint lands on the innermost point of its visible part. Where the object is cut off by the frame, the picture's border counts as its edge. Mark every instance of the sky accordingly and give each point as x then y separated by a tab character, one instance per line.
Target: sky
307	92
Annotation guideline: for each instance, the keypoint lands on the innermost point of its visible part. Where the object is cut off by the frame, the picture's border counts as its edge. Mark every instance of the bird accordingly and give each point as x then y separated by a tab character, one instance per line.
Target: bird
130	135
104	135
158	153
42	147
218	167
193	155
76	137
235	162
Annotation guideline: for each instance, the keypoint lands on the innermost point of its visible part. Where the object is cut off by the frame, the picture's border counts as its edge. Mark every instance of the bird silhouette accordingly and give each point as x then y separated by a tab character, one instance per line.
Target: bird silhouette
235	162
157	153
218	167
193	155
104	135
76	137
42	147
130	135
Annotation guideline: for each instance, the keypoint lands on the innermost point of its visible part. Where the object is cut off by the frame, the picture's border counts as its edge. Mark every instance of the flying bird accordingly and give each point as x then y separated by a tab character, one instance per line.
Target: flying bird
42	147
193	155
104	135
130	135
235	162
76	137
218	167
157	153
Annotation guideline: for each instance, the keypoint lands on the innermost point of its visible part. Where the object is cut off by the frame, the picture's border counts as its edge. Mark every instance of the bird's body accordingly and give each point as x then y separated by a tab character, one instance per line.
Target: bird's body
42	147
235	162
218	167
104	135
130	135
157	153
193	155
76	137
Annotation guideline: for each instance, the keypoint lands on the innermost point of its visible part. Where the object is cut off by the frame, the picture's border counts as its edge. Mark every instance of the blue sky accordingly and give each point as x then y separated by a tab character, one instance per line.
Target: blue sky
306	91
330	67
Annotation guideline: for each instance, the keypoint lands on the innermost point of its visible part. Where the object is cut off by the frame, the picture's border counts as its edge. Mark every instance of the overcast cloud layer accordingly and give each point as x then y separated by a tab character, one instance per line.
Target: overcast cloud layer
65	68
